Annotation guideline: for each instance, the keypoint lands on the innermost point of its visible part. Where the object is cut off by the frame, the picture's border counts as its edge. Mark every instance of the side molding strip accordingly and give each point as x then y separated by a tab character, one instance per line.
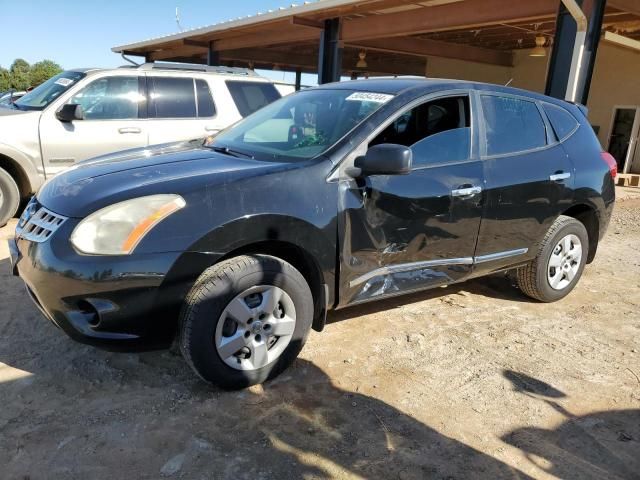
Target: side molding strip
408	267
500	255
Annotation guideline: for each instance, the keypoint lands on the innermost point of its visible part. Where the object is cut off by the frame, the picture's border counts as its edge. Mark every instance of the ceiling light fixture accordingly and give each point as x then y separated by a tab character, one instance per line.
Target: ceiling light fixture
539	50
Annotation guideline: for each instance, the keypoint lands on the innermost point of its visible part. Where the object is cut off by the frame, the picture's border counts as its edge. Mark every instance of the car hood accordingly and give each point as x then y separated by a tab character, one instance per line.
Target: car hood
180	168
8	112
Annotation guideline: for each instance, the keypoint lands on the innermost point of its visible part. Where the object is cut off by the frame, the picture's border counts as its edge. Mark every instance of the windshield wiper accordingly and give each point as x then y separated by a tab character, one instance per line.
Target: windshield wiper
233	153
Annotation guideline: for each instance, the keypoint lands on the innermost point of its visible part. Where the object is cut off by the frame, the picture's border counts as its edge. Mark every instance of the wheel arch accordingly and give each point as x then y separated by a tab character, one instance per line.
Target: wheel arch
17	173
308	248
21	168
588	216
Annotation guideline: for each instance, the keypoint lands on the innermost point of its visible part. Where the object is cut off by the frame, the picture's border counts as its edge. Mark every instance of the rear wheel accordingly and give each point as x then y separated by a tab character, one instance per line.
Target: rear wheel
9	197
558	266
245	320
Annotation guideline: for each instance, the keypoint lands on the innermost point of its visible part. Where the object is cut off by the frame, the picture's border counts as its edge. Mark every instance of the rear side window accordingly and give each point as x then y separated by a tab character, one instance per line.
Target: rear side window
206	108
252	96
563	122
171	97
512	125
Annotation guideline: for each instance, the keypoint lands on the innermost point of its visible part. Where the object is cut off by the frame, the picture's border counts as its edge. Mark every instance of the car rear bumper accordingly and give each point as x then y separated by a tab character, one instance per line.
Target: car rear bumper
110	302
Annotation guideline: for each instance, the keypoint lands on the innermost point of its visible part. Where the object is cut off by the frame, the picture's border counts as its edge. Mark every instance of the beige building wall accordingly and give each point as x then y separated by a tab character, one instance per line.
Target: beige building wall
616	80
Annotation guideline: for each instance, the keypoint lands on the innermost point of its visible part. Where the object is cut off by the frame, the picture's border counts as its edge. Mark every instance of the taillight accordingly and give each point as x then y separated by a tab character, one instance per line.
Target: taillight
611	162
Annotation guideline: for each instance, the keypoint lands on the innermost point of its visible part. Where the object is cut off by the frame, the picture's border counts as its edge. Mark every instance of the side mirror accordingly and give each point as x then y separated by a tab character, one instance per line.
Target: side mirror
385	159
70	112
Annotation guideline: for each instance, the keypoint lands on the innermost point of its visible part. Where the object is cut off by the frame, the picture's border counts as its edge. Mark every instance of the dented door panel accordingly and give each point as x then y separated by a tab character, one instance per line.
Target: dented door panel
407	232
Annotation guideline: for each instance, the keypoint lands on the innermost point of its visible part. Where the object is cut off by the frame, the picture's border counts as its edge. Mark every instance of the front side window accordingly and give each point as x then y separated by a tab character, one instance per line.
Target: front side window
44	94
438	131
171	97
251	96
562	122
302	125
512	125
110	98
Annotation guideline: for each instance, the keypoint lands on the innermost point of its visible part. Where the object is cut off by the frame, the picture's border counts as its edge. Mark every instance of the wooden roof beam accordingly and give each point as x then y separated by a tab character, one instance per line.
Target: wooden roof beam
266	38
436	48
630	6
467	14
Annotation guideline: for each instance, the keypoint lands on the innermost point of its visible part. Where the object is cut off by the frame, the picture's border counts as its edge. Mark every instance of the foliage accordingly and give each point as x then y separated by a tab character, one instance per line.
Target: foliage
21	75
42	71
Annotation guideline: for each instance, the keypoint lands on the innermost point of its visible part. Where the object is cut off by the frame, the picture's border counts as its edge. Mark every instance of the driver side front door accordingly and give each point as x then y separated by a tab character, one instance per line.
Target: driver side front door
114	109
402	233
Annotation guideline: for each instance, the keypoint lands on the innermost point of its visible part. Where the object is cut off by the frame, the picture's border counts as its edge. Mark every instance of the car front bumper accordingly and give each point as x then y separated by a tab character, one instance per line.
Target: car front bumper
115	302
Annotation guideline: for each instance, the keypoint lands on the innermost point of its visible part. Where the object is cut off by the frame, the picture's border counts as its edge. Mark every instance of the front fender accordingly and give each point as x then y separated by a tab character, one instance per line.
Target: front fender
26	164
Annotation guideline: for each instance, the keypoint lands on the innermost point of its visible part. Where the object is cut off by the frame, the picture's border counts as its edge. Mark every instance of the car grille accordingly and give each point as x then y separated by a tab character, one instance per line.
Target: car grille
37	223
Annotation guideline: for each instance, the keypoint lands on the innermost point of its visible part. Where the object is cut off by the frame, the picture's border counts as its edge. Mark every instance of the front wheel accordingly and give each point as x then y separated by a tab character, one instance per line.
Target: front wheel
561	258
245	320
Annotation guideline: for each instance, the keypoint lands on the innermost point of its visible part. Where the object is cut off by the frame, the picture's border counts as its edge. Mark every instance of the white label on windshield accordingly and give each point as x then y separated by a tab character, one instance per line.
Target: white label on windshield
370	97
65	82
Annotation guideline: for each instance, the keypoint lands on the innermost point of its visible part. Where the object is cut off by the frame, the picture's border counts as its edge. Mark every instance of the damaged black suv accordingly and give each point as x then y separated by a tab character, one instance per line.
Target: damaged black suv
333	196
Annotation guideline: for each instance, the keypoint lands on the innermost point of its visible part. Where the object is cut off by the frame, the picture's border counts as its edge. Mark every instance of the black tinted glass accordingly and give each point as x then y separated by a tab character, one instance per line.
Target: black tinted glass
437	131
205	100
252	96
172	98
444	147
563	122
512	125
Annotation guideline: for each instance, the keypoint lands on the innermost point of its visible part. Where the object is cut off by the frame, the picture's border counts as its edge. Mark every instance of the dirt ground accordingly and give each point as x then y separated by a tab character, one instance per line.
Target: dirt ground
470	381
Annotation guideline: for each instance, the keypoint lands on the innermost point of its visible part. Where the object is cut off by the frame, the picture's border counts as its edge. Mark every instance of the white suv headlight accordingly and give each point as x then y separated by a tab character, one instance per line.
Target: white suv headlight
118	228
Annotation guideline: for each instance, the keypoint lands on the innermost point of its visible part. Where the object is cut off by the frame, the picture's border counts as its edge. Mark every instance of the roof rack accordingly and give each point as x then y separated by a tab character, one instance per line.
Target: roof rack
194	67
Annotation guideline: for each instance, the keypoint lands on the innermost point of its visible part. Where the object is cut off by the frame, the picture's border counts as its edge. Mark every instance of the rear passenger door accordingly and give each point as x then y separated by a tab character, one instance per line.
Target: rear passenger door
529	179
180	108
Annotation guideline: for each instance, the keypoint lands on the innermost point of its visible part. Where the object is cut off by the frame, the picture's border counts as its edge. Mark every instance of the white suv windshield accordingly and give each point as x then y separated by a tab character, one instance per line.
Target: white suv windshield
299	126
44	94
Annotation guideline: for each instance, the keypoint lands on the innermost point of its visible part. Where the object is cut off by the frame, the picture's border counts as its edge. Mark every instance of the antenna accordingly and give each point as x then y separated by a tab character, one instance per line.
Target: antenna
178	19
508	83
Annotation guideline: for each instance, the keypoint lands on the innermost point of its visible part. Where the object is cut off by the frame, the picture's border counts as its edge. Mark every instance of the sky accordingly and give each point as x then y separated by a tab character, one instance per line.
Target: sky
77	33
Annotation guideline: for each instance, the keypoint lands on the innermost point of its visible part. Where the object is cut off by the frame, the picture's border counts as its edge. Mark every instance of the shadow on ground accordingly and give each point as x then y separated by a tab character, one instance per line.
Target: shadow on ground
598	445
498	286
78	412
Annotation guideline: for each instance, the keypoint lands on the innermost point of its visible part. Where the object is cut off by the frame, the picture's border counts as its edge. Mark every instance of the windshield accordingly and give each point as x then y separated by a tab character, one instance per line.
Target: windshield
299	126
44	94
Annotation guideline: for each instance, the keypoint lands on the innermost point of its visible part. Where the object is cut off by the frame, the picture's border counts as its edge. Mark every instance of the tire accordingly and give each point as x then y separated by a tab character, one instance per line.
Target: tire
9	197
557	267
232	316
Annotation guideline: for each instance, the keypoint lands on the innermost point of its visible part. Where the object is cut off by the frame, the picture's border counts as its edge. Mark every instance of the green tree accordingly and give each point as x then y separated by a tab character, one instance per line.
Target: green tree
5	79
19	72
43	70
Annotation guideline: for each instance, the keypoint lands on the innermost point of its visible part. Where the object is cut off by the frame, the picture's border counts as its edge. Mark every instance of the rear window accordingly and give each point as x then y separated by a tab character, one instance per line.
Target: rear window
562	122
171	97
512	125
252	96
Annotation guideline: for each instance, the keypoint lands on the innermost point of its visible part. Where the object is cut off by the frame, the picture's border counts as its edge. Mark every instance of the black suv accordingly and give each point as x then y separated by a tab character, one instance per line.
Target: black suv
333	196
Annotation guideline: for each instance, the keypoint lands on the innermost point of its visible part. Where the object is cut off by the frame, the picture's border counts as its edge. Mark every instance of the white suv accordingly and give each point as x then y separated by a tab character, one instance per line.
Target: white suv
84	113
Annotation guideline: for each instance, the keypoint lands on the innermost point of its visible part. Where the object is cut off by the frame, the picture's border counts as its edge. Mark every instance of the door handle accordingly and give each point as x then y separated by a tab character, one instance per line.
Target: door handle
466	192
130	130
212	129
558	177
